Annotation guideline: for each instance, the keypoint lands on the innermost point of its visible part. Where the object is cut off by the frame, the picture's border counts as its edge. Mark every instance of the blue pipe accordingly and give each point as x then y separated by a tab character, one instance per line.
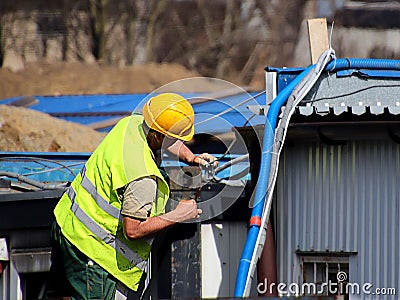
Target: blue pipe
363	63
273	112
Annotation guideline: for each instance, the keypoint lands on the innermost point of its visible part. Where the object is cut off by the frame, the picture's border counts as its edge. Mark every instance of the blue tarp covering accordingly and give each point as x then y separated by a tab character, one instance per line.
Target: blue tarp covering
88	109
102	107
44	167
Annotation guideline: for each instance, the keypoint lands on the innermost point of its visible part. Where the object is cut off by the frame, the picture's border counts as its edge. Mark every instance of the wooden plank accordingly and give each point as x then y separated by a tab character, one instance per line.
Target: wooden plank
318	37
24	101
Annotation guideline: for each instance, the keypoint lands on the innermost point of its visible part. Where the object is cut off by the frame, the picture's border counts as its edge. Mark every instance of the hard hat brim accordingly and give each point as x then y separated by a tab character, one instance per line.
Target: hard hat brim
185	138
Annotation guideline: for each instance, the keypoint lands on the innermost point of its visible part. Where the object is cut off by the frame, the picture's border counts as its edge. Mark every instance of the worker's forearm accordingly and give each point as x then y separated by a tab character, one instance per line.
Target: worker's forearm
180	150
135	229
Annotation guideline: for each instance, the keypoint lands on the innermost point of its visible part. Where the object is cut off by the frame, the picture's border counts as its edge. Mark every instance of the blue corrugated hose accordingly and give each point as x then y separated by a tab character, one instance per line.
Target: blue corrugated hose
273	112
259	198
363	63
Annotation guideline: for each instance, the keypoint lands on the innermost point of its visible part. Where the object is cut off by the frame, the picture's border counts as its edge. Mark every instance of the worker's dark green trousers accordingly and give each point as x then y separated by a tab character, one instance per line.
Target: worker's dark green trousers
73	275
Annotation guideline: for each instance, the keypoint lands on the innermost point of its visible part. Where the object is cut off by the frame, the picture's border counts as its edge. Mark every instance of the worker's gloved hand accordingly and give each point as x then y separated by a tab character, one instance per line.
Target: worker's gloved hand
205	159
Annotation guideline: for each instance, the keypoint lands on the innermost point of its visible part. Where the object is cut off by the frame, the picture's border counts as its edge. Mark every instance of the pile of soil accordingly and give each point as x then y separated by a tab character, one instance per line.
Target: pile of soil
23	129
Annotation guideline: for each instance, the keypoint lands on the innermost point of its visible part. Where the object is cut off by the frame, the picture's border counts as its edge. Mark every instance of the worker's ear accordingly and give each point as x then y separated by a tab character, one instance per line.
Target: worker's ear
160	137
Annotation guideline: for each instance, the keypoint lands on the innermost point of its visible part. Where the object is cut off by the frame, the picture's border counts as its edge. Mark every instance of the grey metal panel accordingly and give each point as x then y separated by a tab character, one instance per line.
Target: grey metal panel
333	94
306	110
31	260
342	198
221	256
271	85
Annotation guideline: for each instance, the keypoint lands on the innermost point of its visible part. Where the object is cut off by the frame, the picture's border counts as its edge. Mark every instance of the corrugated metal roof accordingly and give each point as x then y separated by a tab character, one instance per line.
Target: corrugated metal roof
357	92
333	94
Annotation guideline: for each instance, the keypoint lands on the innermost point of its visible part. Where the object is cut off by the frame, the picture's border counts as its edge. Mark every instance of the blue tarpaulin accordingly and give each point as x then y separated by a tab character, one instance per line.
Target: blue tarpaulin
89	109
212	116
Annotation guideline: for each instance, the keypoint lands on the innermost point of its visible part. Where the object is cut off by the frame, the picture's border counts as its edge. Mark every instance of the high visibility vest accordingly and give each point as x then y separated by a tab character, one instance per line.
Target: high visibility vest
89	211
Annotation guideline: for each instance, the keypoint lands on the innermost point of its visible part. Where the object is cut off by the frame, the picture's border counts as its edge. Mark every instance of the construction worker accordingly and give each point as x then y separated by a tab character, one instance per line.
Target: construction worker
106	219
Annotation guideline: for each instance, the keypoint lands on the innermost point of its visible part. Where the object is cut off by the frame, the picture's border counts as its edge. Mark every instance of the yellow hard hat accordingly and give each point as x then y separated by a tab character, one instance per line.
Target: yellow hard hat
170	114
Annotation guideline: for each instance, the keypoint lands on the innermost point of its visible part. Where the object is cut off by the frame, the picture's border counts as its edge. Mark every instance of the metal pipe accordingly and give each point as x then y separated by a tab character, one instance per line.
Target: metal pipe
32	182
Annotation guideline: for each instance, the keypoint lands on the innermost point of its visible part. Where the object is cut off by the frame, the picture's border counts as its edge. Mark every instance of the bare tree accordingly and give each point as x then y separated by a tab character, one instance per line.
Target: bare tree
212	34
5	8
283	19
66	9
130	30
231	23
78	45
156	8
1	42
214	38
98	19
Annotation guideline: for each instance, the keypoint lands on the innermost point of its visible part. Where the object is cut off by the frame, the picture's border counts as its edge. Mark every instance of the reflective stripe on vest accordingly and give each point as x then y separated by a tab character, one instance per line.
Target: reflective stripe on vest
105	236
101	202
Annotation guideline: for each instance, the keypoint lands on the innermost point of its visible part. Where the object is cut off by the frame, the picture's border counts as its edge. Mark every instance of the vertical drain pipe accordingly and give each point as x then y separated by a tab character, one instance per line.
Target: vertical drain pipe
262	185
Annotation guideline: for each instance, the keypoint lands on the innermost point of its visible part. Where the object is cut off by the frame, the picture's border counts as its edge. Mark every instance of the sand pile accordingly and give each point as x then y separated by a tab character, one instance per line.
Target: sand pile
23	129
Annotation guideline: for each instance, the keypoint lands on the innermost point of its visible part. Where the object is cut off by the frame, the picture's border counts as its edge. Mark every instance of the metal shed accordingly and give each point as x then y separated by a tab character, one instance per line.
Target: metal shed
337	202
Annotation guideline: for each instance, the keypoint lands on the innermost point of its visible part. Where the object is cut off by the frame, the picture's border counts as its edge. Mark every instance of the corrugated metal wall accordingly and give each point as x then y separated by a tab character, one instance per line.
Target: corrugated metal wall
342	198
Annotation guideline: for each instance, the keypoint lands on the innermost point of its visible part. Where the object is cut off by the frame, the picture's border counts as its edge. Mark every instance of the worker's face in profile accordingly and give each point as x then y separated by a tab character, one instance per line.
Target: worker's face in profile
163	142
159	141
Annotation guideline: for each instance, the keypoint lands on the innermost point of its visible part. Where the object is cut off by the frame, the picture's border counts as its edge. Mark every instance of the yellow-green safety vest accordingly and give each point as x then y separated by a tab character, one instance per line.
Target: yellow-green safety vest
89	212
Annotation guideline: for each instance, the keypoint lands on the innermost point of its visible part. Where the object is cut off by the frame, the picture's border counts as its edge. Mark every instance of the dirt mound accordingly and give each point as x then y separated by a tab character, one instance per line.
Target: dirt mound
23	129
77	78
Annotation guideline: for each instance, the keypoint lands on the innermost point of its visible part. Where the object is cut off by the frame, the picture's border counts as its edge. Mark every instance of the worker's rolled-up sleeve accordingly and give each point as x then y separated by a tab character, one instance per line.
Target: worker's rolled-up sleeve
138	198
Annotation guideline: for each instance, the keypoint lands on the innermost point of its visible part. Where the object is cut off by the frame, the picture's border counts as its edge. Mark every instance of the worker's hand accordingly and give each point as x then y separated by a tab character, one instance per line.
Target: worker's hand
186	210
205	159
